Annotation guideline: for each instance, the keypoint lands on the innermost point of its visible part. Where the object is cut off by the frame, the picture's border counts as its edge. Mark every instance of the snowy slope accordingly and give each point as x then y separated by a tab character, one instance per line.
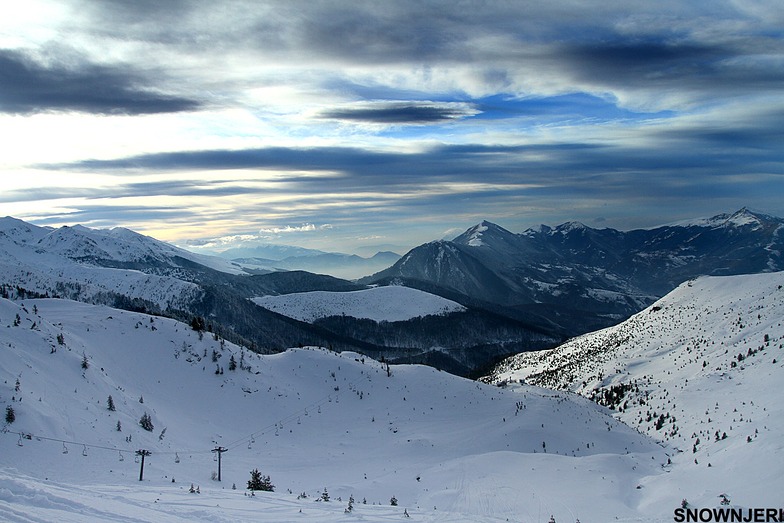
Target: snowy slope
701	369
393	303
447	448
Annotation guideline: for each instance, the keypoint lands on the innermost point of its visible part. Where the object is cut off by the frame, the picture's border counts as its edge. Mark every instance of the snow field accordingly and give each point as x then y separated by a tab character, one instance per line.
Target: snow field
447	448
392	303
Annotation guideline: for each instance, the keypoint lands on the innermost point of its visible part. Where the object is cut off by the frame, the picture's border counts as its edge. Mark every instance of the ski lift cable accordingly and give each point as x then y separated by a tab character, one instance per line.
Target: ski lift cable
268	428
290	417
85	445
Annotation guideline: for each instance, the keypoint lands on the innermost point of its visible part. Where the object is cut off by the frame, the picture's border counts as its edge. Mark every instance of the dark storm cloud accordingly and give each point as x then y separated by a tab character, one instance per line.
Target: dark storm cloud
646	46
682	64
27	86
106	216
464	162
699	154
398	113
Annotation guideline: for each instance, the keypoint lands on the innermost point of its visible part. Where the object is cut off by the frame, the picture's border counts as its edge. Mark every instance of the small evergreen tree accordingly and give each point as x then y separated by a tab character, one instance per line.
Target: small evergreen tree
110	403
232	363
10	415
325	495
198	324
393	501
254	483
266	484
259	482
119	426
85	363
146	422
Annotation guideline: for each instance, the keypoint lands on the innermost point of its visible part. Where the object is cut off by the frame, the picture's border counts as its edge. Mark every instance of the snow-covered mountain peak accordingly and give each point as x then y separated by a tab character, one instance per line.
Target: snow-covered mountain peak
19	231
99	247
475	235
743	217
484	234
569	227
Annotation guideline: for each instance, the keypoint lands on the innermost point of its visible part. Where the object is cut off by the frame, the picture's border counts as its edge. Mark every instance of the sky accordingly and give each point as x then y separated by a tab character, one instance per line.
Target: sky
357	126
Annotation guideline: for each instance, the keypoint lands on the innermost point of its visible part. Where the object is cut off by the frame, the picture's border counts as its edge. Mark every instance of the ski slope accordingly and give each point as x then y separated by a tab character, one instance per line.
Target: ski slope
448	449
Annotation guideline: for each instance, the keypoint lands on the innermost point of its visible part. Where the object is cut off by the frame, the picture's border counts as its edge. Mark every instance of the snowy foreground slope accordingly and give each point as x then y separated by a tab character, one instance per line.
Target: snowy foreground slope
448	449
393	303
701	370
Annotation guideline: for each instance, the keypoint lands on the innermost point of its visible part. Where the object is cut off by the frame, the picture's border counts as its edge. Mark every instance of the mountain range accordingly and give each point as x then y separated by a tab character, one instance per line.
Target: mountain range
516	292
263	259
575	278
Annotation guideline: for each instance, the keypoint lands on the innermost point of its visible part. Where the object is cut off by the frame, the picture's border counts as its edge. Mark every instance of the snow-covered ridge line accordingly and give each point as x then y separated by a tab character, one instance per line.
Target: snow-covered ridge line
392	303
701	369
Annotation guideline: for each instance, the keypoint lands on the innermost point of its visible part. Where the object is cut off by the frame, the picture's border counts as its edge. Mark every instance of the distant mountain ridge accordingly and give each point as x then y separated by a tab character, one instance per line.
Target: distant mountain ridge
346	266
120	268
601	275
521	292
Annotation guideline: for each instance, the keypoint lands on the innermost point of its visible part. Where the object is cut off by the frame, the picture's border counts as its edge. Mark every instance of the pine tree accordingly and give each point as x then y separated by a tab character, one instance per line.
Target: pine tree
10	415
266	484
85	363
146	422
110	403
232	363
254	483
259	482
393	501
